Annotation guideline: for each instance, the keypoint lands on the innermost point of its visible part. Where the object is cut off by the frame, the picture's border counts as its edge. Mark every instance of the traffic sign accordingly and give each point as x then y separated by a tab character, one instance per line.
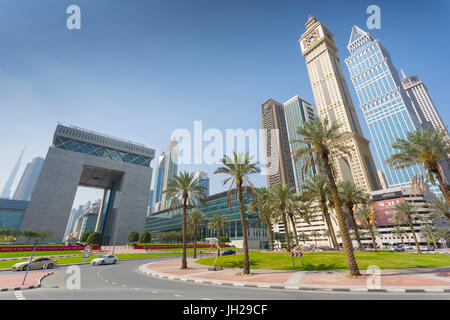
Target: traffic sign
296	254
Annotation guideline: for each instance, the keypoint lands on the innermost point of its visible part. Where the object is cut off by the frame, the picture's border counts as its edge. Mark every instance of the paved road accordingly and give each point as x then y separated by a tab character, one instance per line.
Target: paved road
123	281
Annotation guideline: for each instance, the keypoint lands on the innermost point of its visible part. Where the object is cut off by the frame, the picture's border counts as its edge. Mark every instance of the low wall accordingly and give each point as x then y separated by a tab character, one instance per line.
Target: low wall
45	248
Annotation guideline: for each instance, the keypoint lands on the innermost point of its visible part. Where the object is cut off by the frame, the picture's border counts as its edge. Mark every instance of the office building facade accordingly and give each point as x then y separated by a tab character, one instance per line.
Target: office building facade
333	101
11	213
28	180
296	112
386	106
80	157
276	144
204	180
421	100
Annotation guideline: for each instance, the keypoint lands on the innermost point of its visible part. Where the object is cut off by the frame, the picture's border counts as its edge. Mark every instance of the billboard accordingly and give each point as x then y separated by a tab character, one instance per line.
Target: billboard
384	211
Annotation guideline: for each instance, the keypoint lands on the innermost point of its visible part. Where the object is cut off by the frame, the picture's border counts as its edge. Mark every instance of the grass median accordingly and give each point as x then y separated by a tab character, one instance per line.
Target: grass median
331	260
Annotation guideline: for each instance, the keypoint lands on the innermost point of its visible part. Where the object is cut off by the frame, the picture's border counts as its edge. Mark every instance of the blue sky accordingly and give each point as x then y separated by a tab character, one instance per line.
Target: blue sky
141	69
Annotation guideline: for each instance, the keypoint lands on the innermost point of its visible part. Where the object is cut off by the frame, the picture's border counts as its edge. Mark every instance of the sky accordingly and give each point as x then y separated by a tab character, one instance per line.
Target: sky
140	69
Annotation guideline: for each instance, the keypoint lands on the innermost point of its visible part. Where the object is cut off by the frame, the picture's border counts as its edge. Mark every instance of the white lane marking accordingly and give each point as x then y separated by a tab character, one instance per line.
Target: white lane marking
136	288
19	295
113	283
124	286
206	299
177	295
155	292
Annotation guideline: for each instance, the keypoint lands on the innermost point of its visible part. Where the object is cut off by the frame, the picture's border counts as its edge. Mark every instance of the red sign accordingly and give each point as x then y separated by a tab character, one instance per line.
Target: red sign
296	254
384	211
45	248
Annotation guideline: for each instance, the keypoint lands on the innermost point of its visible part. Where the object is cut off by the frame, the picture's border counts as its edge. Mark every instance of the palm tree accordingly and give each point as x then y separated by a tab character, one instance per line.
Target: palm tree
399	232
281	198
317	188
304	237
440	208
184	190
315	234
326	140
260	203
217	222
431	234
238	170
427	148
196	217
352	195
366	215
406	211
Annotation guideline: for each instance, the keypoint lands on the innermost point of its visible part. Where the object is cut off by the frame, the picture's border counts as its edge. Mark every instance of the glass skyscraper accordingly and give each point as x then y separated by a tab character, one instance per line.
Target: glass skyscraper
296	112
387	108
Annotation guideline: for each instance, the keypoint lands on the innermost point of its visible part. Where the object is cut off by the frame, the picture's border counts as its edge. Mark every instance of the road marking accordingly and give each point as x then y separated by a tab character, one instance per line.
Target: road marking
206	299
177	295
113	283
136	288
19	295
124	286
155	292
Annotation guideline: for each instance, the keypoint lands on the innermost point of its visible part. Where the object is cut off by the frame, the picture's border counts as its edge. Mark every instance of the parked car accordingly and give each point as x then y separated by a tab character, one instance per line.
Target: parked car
35	264
228	252
397	248
107	259
427	248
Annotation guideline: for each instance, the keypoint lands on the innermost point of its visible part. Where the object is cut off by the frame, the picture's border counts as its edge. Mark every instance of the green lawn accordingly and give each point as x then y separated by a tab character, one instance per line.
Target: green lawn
38	253
9	264
332	260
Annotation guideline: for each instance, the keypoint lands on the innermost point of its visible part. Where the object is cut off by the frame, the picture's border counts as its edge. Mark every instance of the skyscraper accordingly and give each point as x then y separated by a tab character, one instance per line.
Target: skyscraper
12	176
333	101
418	93
388	110
297	111
159	178
204	180
28	181
170	170
276	144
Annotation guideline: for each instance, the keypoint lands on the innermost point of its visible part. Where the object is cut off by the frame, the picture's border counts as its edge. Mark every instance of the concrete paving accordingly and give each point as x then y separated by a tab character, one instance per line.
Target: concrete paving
395	280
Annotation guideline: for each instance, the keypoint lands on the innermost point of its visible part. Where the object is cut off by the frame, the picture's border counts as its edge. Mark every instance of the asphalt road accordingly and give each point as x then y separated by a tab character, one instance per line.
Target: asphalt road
123	281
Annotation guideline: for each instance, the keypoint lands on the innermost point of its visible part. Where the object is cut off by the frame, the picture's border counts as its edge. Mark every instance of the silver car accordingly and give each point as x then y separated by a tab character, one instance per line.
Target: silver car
107	259
38	263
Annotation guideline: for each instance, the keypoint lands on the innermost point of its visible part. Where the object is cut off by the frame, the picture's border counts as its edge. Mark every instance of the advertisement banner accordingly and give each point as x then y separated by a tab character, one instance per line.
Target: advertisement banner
384	211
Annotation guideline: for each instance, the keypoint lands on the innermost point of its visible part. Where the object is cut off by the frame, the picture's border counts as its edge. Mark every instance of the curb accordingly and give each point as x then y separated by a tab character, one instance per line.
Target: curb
155	274
28	287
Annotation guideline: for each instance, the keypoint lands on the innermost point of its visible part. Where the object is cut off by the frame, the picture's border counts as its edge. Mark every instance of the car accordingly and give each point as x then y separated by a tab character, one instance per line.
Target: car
397	248
107	259
35	264
427	248
228	252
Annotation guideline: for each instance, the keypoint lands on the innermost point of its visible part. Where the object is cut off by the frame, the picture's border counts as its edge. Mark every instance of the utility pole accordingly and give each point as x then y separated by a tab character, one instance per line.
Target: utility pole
29	262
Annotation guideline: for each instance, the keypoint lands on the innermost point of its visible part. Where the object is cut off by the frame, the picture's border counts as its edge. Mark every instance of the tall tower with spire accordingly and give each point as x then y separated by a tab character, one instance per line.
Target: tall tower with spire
170	170
333	101
12	176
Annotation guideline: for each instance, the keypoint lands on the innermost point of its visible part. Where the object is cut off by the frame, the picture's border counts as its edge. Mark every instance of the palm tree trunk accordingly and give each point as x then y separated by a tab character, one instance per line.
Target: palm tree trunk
355	227
195	241
414	235
269	233
184	260
218	240
291	216
348	246
372	235
326	214
286	230
443	186
244	229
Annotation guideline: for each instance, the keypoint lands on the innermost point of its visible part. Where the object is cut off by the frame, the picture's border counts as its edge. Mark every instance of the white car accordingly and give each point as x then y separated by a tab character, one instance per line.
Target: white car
109	259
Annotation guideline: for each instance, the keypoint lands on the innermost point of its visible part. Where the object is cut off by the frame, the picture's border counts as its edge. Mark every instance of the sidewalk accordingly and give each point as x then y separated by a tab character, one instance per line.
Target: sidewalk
435	280
11	282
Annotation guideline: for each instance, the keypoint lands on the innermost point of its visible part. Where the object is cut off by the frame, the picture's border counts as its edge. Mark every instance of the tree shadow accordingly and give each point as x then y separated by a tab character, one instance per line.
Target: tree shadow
320	267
